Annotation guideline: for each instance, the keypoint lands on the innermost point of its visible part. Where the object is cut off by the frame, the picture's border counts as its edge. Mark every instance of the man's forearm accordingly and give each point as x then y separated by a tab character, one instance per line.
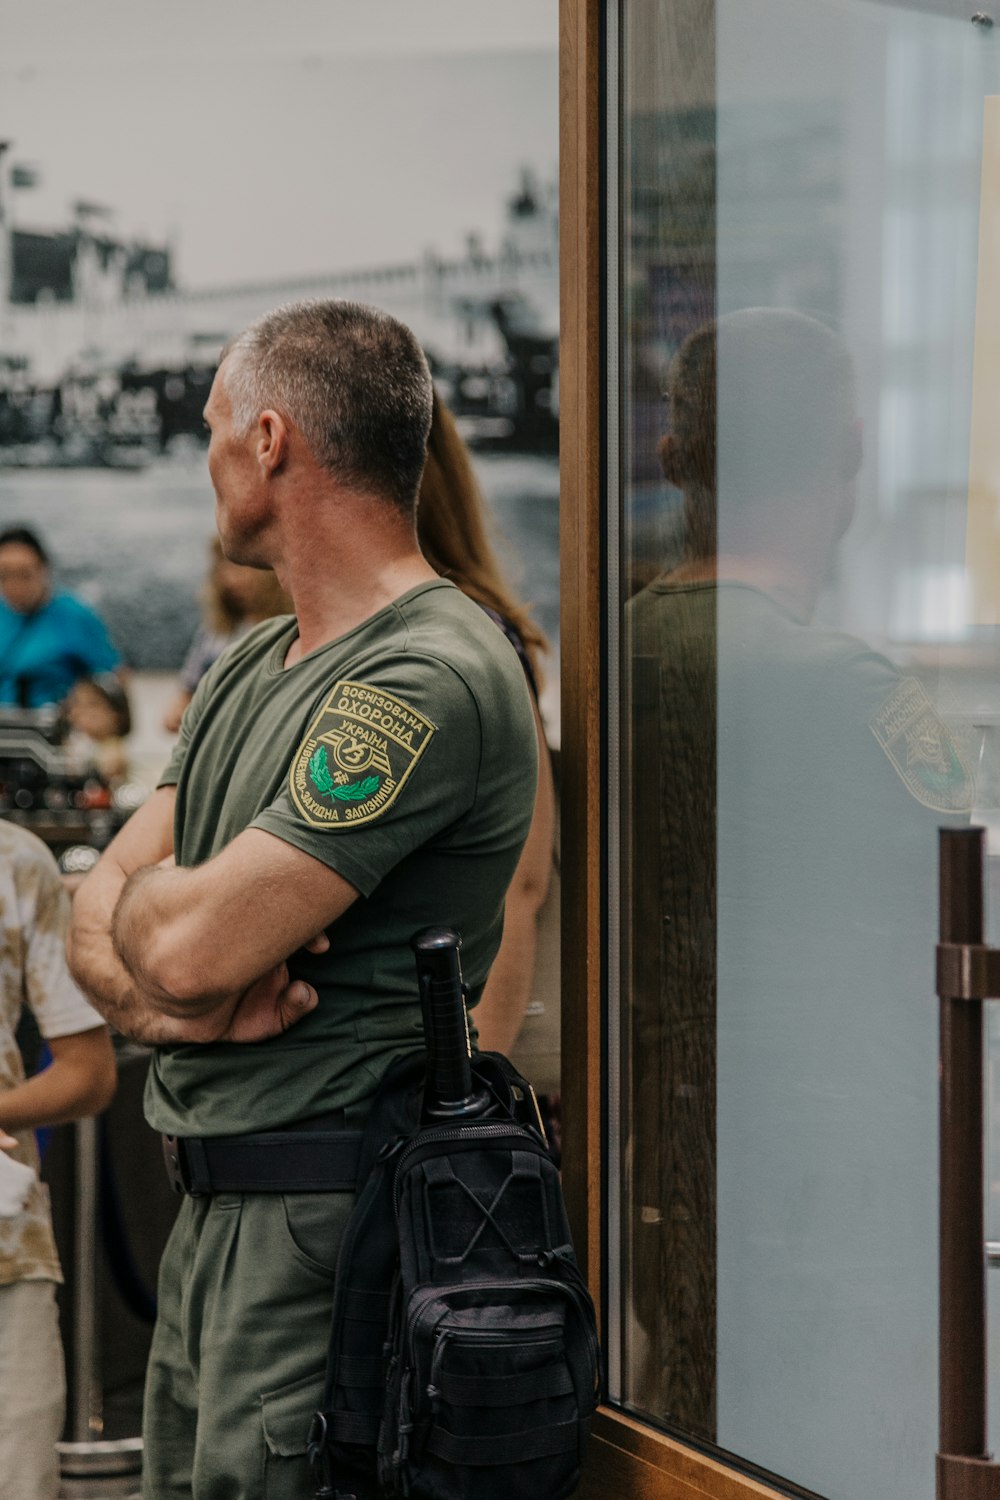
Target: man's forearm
145	937
115	991
114	994
147	933
102	976
265	1009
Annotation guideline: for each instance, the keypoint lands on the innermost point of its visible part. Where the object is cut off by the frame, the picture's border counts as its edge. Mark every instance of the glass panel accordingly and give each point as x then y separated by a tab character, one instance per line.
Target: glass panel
810	686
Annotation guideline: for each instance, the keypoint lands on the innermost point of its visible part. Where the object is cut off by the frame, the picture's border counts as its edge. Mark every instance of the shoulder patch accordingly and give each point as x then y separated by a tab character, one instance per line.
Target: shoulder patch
361	748
921	749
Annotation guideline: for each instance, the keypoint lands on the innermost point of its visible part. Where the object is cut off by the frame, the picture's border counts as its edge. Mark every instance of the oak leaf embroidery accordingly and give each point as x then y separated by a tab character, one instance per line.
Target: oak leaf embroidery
320	771
357	791
353	791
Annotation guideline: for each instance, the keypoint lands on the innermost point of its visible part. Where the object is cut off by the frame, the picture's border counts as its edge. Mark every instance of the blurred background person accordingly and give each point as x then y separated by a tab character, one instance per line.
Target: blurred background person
234	598
100	721
452	529
48	639
80	1080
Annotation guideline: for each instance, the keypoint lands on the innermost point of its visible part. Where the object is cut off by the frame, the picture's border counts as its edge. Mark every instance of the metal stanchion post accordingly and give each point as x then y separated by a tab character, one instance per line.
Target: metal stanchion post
87	1454
88	1397
968	974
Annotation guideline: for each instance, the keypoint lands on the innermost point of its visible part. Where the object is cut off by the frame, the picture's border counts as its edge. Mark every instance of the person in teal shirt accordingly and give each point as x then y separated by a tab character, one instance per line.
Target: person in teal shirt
48	641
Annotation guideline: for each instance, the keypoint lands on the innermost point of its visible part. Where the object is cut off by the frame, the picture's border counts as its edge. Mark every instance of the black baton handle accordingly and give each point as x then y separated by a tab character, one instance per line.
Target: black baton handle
450	1093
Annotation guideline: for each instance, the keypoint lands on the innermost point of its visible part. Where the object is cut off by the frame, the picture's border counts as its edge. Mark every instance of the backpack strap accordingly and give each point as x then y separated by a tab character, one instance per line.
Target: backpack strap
354	1392
488	1452
494	1390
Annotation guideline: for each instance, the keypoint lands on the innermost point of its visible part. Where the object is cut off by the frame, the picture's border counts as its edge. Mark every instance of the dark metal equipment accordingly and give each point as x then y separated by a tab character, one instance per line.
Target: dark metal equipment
88	1453
42	788
968	973
449	1094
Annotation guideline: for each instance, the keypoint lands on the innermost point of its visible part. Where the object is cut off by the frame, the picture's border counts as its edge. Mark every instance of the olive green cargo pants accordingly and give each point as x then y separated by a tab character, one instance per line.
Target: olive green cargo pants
238	1358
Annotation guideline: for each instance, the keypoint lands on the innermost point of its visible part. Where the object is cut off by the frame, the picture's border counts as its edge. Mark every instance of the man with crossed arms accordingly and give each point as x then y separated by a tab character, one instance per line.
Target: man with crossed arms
343	777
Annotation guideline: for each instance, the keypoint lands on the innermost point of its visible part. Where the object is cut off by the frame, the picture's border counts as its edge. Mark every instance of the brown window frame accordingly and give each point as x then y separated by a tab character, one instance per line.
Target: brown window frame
625	1457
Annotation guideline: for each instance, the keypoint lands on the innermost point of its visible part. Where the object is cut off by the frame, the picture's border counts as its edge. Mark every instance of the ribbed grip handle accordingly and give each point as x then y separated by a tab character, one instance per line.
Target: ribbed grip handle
450	1092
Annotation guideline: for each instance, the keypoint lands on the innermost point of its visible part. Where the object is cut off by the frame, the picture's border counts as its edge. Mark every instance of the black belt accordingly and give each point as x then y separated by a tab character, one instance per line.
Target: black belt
296	1160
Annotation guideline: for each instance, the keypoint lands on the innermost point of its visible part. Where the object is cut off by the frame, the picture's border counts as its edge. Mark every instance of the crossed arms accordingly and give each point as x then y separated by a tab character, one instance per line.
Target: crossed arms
173	955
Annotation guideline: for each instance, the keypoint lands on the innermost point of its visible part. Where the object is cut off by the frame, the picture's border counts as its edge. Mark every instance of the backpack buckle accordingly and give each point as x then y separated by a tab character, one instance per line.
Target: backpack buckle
319	1459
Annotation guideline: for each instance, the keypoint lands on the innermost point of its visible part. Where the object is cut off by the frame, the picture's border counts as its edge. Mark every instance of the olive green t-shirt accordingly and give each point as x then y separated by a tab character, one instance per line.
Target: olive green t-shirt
403	756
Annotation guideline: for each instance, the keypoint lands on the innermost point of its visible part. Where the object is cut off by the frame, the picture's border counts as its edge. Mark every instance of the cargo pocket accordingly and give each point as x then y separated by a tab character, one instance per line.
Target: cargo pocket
287	1415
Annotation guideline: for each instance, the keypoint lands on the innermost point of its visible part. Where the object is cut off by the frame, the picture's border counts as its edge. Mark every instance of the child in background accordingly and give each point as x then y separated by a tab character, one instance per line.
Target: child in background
100	718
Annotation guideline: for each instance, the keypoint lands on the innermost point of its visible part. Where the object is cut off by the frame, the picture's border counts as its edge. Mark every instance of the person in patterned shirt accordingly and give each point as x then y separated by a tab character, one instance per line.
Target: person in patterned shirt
34	914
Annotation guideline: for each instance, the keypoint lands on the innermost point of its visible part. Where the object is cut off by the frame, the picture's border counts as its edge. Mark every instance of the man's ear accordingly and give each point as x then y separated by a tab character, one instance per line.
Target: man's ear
272	442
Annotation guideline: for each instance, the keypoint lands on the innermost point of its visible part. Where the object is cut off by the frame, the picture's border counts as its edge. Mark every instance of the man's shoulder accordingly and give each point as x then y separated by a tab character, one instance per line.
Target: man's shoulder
832	693
445	625
436	601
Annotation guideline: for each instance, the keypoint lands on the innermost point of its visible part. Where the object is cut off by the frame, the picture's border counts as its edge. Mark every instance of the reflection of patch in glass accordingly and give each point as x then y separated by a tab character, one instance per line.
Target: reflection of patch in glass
921	749
925	747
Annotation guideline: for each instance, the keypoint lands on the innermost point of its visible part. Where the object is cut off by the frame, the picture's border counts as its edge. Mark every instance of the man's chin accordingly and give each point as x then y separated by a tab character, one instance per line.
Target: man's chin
233	546
242	550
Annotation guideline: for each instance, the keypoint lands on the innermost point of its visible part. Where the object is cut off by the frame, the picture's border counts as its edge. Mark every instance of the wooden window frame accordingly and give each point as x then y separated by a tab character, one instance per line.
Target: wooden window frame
625	1457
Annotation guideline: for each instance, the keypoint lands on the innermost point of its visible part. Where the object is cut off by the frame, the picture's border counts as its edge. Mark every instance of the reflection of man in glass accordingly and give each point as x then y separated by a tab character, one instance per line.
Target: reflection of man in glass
783	1232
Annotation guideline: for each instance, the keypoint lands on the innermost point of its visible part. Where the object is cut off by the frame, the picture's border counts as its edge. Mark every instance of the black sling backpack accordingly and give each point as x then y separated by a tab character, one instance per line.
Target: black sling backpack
463	1352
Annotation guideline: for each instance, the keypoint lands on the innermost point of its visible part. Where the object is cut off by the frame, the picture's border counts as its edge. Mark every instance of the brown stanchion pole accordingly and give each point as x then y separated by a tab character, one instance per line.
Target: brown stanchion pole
963	1260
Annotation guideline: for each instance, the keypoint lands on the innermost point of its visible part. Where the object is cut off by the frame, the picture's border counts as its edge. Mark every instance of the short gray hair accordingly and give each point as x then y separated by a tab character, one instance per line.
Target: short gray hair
352	379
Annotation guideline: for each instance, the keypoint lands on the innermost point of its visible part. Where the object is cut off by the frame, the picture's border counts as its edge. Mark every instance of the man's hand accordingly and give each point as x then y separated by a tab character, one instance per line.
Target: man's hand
174	930
274	1002
269	1007
251	1007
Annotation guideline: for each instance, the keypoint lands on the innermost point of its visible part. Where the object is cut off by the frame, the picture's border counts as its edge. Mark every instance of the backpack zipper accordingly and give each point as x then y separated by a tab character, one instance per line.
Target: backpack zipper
485	1338
419	1300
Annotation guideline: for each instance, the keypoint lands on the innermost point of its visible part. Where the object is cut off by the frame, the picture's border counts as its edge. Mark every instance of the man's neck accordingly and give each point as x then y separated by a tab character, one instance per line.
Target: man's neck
334	594
341	555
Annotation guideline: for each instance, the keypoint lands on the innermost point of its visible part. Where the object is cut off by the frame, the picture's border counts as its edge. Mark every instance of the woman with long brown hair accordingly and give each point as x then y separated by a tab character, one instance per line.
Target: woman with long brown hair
452	528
